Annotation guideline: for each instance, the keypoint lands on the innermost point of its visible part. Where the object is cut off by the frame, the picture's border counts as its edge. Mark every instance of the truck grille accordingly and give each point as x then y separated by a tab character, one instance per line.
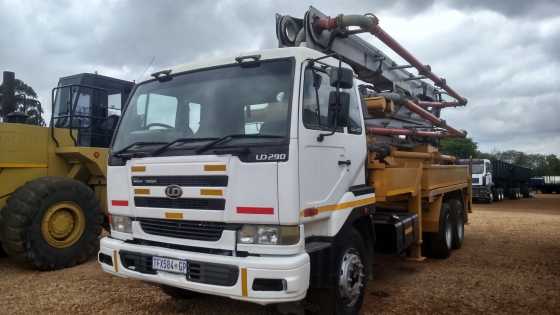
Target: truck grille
209	273
192	230
137	262
185	181
475	180
181	203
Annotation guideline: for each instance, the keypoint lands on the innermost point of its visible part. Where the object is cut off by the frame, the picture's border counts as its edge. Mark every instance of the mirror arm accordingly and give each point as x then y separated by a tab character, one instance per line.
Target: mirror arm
322	136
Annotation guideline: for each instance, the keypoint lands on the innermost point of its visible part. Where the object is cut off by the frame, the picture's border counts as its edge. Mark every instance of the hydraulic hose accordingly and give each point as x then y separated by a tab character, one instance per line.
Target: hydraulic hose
370	23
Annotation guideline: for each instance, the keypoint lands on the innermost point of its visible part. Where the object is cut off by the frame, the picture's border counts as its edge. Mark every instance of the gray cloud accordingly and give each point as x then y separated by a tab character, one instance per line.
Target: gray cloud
511	8
503	55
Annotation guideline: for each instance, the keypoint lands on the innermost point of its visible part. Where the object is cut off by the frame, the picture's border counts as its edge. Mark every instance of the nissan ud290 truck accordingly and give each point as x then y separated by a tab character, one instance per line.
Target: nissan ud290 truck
275	175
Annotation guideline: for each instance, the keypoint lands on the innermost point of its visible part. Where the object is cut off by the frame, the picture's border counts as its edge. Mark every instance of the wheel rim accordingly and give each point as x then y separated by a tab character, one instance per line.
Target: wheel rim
448	232
63	224
351	277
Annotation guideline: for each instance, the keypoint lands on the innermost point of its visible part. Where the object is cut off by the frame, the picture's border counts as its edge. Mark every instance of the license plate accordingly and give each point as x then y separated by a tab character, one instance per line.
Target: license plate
169	264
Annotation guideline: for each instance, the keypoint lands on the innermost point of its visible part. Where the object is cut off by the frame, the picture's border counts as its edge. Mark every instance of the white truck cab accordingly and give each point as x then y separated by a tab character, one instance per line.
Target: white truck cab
225	174
481	172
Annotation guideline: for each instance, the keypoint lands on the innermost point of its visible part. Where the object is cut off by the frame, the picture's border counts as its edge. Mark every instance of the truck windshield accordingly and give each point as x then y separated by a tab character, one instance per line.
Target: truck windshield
478	168
201	106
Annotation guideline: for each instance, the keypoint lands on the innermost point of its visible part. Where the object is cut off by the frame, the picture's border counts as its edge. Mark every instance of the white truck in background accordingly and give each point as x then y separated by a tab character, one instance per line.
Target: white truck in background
266	176
495	180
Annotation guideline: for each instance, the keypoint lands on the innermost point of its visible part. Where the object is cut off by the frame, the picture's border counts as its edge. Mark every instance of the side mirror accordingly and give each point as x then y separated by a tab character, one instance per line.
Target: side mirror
339	108
342	76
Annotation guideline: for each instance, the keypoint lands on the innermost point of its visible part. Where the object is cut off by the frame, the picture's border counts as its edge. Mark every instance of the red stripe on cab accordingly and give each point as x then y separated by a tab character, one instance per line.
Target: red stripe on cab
255	210
119	203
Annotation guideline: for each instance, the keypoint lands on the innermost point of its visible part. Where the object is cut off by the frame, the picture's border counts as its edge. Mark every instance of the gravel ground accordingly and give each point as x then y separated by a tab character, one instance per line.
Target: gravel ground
510	263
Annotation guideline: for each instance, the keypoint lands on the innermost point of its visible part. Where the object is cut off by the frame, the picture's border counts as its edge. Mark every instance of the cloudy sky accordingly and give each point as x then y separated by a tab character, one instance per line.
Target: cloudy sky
503	55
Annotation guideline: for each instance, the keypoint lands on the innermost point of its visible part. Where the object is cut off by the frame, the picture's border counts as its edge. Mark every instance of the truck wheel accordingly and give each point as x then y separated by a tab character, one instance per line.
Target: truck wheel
458	221
347	293
439	244
490	198
2	252
53	222
178	293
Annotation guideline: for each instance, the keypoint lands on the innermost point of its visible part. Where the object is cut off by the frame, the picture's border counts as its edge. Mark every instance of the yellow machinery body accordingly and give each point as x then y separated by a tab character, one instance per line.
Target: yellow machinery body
29	152
417	181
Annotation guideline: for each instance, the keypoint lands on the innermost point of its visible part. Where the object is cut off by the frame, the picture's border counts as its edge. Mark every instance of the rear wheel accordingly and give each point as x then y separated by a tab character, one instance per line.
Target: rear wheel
2	252
439	244
458	221
53	222
178	293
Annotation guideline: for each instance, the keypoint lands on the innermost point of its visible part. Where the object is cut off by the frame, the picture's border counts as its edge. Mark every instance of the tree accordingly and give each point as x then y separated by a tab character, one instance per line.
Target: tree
463	148
24	101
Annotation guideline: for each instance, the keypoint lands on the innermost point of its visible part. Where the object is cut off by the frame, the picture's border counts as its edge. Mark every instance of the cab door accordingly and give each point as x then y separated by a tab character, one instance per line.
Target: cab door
329	167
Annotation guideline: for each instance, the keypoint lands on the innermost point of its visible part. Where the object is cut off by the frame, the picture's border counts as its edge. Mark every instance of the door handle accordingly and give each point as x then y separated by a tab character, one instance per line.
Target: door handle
347	162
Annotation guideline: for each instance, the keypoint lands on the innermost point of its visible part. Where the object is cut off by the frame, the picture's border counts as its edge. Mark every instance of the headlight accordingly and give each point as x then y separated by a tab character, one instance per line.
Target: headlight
120	223
268	234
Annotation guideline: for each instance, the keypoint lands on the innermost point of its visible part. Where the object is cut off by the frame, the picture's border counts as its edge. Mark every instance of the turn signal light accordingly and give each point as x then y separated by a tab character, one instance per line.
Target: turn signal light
310	212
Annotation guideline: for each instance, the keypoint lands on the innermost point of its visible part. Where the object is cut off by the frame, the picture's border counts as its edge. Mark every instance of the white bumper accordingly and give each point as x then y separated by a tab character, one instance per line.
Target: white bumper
294	270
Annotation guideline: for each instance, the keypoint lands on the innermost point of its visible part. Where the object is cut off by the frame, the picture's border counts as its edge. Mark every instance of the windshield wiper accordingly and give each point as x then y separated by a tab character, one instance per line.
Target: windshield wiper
180	140
231	137
120	153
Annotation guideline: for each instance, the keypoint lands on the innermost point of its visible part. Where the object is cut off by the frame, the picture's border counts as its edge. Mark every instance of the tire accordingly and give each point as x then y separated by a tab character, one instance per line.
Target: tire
178	293
439	244
458	221
490	198
2	252
350	252
52	222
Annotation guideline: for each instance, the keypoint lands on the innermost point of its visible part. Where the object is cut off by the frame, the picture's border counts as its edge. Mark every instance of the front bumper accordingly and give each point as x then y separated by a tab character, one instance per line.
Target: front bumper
481	192
293	270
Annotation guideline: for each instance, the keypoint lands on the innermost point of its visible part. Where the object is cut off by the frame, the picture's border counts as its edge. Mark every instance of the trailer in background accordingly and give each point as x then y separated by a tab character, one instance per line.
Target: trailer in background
495	180
546	184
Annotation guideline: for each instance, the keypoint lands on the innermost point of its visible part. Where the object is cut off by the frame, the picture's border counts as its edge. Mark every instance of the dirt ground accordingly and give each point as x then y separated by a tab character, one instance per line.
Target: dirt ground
509	264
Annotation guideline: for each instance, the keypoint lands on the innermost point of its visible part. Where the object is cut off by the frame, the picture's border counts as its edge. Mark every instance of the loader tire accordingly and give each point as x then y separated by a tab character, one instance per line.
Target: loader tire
439	244
458	221
52	222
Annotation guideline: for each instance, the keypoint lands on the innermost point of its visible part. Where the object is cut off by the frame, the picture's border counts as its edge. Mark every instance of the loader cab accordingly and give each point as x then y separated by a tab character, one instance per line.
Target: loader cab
89	104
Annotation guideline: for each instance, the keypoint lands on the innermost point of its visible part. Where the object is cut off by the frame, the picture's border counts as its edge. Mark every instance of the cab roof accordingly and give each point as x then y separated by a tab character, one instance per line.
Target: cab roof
300	53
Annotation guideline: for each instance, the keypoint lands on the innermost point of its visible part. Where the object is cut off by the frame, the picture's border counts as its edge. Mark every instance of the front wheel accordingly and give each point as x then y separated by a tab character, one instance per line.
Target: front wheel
347	294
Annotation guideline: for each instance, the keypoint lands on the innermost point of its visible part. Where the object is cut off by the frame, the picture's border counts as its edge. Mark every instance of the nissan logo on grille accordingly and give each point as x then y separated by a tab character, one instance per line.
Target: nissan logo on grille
173	191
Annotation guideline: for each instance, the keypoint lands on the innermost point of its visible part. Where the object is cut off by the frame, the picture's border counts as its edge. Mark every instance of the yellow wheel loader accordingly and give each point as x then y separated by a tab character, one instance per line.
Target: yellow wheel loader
52	179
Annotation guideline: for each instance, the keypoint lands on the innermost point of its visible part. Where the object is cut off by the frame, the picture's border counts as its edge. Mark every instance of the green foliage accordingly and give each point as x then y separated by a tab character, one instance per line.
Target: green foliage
463	148
25	101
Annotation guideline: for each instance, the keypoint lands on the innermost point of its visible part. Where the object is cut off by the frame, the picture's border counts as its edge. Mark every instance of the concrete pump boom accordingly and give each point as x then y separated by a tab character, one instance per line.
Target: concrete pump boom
337	36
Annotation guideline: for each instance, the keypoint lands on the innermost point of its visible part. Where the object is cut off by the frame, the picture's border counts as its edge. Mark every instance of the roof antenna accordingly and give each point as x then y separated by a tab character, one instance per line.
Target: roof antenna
147	68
